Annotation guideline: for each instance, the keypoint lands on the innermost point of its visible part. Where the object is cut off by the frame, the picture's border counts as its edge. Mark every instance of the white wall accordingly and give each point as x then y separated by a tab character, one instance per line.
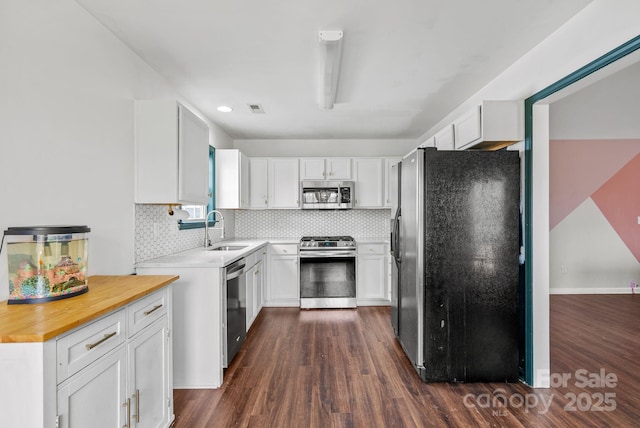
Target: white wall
586	253
607	109
348	148
67	87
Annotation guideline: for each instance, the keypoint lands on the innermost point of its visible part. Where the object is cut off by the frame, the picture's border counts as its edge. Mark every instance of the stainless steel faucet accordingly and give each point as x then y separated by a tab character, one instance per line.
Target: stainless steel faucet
207	241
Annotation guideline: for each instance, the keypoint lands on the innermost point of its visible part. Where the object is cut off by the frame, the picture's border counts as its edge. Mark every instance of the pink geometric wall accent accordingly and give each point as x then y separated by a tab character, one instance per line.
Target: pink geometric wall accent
577	168
619	201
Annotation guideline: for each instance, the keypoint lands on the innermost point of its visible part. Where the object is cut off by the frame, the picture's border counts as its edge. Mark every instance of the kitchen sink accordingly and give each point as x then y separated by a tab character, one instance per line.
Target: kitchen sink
228	248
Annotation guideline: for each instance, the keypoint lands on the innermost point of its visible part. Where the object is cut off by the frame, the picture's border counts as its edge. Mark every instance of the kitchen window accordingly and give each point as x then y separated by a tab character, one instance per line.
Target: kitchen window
198	212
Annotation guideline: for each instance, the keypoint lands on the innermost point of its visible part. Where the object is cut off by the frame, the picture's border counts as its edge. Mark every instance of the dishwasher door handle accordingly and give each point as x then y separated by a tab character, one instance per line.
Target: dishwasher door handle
235	270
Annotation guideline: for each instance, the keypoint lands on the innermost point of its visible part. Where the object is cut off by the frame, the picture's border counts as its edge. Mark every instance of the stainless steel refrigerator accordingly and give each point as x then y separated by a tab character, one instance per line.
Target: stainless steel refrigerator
454	240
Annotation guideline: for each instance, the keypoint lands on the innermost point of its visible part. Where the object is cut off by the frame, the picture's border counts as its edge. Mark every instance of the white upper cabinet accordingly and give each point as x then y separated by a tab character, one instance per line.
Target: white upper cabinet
388	163
490	126
274	183
312	169
232	179
369	182
444	140
338	168
171	154
325	169
284	183
258	183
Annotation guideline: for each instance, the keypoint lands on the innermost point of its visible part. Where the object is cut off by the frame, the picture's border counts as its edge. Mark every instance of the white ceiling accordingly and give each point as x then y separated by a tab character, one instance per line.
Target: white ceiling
405	63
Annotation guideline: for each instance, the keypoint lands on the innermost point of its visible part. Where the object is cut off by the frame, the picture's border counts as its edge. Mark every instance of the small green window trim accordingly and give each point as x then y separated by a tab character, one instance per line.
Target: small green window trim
212	193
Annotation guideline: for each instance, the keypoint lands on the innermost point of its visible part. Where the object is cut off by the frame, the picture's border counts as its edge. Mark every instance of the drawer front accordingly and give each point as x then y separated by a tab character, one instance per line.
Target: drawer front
372	248
86	344
145	311
286	249
250	260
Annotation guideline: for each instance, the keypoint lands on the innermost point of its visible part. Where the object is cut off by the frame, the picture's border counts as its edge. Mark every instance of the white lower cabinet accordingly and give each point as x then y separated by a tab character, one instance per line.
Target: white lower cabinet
255	292
258	284
97	396
148	377
198	323
105	380
371	275
284	276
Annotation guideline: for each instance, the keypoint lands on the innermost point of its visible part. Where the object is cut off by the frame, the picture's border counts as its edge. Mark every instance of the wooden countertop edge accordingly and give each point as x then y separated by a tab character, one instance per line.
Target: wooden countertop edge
85	314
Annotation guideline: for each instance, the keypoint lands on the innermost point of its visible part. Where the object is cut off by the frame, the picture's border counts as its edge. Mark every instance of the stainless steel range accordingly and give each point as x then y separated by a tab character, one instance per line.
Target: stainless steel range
327	272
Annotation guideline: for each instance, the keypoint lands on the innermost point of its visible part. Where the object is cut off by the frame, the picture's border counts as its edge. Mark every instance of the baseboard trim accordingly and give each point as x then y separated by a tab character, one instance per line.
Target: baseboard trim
282	304
374	302
618	290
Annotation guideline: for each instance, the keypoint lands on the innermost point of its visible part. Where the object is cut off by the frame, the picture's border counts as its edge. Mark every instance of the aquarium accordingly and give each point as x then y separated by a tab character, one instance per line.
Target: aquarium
46	262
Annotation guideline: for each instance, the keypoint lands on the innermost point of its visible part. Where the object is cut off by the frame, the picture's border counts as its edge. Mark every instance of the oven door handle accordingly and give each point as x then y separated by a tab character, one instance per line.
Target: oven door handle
325	254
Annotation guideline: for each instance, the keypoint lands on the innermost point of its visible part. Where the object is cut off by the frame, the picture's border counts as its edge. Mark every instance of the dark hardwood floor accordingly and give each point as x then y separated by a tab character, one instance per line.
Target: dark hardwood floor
343	368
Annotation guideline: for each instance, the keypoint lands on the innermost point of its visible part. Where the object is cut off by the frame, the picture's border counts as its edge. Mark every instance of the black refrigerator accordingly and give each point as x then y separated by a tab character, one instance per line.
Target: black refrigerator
455	244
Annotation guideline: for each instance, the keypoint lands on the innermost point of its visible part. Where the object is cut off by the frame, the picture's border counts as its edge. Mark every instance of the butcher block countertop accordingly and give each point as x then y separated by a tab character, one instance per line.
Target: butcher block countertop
40	322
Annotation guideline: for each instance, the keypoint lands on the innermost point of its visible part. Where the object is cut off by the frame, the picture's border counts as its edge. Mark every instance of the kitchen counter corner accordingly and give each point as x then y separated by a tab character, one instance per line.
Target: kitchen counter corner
43	321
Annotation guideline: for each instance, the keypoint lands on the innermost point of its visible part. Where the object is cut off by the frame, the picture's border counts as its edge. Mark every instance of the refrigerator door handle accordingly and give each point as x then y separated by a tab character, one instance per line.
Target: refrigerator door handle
393	237
395	240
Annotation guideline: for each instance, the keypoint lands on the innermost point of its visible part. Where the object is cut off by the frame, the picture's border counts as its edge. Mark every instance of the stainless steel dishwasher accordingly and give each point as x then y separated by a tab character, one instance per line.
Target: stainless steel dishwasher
235	315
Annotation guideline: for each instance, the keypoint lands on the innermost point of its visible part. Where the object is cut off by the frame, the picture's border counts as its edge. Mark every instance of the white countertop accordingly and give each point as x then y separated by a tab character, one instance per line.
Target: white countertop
201	257
206	257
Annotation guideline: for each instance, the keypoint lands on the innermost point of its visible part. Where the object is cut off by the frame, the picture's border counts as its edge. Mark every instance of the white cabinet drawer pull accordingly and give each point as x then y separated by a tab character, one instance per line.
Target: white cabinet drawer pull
136	417
106	337
155	308
128	406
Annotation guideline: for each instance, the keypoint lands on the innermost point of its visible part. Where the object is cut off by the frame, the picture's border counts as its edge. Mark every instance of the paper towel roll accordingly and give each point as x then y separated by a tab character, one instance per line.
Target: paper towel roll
178	215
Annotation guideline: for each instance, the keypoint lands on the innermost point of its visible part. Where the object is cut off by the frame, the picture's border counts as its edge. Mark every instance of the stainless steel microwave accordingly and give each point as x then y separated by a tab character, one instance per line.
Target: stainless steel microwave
327	195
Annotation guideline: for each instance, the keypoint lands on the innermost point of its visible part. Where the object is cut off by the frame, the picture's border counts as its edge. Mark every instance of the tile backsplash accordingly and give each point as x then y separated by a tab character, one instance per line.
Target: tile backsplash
157	234
297	223
166	238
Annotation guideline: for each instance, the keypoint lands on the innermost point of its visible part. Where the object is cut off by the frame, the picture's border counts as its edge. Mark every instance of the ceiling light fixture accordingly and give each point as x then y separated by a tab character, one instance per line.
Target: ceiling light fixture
331	50
224	109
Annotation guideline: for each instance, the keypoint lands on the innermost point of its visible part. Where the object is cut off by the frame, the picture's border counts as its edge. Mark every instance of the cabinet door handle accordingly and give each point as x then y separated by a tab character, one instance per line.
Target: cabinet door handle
128	406
108	336
136	417
155	308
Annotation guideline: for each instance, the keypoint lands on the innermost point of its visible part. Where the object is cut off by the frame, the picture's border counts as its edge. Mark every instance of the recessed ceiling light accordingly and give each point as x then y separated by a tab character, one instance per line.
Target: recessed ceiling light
224	109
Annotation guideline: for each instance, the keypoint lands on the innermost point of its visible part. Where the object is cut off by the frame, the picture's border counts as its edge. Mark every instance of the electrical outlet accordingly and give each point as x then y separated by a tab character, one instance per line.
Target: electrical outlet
564	269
